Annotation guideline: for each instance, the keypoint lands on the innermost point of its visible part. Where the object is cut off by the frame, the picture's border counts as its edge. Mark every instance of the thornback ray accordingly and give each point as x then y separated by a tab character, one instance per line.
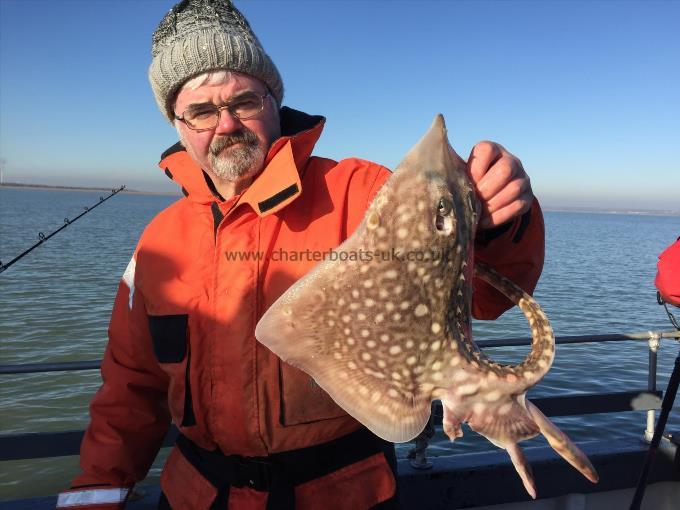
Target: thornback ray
383	325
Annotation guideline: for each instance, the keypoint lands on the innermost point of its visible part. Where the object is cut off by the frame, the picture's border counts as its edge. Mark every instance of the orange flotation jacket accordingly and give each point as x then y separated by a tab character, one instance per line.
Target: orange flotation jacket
182	347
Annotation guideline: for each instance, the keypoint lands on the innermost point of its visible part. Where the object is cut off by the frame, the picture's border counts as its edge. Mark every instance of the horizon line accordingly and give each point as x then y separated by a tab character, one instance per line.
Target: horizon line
551	208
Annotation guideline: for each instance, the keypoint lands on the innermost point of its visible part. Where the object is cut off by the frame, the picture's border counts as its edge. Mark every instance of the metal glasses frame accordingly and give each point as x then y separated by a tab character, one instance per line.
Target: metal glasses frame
227	106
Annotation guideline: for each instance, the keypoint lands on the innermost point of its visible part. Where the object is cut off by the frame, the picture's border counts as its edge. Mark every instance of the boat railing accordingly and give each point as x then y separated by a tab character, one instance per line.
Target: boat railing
33	445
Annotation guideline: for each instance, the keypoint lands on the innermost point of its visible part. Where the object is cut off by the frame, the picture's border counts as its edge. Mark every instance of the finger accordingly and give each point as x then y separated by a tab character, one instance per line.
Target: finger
498	177
512	201
562	444
505	214
517	189
523	468
482	158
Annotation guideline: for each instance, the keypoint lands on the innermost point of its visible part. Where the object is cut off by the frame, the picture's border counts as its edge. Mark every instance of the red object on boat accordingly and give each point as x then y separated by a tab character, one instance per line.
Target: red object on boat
668	274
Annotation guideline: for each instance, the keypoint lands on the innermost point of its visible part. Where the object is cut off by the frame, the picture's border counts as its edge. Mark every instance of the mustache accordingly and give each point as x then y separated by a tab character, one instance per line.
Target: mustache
244	136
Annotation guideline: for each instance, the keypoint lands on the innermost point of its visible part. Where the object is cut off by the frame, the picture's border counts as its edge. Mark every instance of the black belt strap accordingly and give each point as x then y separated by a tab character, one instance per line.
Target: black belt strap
279	473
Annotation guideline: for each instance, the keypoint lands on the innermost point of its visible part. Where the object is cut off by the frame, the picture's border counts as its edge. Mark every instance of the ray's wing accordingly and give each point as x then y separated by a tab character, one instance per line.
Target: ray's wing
333	325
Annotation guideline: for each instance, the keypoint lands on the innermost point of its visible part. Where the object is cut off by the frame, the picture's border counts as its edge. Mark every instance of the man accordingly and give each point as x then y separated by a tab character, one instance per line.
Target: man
255	432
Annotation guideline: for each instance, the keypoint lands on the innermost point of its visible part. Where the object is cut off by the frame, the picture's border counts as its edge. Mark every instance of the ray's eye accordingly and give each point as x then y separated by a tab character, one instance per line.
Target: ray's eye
443	220
444	207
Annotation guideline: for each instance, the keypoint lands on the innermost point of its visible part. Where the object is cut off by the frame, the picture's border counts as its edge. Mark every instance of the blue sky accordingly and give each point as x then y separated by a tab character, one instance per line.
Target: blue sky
587	94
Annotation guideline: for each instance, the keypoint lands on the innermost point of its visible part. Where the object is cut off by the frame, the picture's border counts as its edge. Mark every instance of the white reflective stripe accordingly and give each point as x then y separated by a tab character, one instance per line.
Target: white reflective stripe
92	497
129	278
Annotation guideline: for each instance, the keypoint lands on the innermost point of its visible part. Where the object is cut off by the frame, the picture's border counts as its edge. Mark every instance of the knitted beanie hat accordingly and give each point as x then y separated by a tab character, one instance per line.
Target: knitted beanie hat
203	35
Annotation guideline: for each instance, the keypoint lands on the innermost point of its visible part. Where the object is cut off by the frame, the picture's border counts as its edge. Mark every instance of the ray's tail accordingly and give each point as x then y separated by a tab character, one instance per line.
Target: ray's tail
496	405
538	361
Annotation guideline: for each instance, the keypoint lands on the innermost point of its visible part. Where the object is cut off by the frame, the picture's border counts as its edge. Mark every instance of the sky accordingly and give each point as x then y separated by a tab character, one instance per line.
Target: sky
585	93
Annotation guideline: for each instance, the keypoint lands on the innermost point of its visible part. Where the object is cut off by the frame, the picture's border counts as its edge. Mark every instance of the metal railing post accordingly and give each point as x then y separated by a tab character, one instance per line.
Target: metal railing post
654	342
418	454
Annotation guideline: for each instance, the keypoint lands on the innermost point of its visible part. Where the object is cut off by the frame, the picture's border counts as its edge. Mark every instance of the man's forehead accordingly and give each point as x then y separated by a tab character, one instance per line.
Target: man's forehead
232	85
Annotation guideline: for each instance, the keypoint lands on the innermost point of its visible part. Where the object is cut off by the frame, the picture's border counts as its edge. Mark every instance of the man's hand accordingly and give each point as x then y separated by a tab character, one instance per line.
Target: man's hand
503	187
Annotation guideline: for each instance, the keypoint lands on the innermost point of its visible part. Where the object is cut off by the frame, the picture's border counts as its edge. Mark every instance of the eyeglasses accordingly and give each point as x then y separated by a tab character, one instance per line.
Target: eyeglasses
204	116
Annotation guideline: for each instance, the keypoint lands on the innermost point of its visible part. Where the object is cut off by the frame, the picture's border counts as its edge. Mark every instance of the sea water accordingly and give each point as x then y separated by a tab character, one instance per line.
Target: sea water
55	305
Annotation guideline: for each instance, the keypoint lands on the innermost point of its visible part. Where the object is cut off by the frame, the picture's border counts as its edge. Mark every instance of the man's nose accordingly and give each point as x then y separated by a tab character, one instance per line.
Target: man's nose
226	122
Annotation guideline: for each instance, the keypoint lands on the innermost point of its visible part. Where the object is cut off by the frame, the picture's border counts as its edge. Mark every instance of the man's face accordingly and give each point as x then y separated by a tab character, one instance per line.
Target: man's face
234	150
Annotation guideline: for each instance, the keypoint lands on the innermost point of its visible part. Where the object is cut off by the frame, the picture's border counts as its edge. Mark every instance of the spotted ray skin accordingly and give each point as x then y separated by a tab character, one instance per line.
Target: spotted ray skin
384	325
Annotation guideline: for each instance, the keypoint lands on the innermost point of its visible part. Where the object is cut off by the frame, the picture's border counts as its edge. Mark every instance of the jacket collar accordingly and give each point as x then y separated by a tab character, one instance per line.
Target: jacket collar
278	183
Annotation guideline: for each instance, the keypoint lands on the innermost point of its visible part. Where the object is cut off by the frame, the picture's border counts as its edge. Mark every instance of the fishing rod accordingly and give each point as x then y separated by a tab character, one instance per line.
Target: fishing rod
42	237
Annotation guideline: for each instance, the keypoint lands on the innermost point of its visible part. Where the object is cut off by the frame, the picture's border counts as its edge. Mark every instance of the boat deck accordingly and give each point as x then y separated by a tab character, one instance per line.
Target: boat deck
488	479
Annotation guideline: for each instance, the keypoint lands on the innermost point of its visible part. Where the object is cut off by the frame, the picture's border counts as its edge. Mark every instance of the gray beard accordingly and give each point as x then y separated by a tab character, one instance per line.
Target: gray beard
234	163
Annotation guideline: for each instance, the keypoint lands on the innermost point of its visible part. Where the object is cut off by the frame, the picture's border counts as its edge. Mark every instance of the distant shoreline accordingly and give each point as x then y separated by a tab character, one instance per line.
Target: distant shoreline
584	210
49	187
629	212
